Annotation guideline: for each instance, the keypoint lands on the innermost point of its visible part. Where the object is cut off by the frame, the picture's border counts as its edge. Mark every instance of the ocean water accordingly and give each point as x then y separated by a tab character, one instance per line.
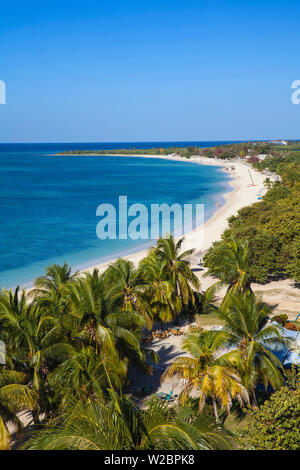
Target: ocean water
49	202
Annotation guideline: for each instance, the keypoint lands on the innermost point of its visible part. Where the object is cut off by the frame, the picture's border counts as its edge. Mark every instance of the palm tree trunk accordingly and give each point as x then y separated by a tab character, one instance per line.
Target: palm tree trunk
36	416
215	409
253	397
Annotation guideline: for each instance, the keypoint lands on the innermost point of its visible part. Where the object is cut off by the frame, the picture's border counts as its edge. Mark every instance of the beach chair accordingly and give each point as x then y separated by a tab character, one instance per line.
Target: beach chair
161	395
170	396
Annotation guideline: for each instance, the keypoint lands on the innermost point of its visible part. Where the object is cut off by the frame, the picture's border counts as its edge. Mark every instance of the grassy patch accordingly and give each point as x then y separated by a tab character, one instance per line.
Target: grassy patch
209	320
236	421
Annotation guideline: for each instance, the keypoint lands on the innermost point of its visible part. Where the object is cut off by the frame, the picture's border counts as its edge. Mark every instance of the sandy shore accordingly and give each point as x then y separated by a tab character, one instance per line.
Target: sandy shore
283	295
202	237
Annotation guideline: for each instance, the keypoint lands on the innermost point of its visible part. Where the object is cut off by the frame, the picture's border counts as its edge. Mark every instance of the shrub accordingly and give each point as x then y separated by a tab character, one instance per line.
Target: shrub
291	326
276	424
281	319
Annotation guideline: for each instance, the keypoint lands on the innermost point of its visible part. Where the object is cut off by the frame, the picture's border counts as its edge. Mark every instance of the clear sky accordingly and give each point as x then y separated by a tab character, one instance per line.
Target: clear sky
140	70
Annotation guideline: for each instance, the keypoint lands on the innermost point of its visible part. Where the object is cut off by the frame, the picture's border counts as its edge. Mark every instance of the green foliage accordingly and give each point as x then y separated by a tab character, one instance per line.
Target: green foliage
275	425
75	335
272	229
265	249
229	261
184	152
208	371
178	268
248	329
292	377
71	340
119	425
289	153
14	396
281	319
291	255
276	193
70	343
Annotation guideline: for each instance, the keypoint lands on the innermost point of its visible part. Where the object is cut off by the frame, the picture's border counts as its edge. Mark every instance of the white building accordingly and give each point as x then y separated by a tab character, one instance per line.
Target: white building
262	156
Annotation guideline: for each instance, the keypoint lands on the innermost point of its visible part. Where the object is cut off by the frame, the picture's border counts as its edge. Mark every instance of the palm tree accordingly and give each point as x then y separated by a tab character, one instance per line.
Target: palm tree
119	425
208	371
161	293
32	337
15	396
103	324
248	329
83	374
229	261
52	285
208	300
178	269
13	309
125	289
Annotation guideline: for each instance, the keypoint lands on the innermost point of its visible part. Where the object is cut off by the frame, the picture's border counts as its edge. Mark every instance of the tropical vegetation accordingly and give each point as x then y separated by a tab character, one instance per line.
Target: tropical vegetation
276	424
72	339
70	342
270	227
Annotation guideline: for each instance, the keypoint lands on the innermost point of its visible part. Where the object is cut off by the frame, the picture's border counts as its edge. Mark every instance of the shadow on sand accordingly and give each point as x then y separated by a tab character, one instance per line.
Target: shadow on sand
142	385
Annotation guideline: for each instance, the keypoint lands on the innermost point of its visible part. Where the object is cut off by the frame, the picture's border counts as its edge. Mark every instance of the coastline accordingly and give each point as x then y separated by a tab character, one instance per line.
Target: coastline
137	252
203	236
287	294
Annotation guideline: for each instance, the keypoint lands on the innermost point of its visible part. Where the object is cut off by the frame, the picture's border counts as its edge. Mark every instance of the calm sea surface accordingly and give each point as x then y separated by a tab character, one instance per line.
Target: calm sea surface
48	202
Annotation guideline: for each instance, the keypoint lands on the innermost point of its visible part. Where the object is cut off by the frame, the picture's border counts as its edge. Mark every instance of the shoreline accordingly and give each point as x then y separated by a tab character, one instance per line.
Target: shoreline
203	236
138	252
287	294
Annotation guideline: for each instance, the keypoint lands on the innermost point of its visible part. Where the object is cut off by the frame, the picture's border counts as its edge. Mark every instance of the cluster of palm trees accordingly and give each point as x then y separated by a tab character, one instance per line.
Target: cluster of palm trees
229	364
70	340
72	337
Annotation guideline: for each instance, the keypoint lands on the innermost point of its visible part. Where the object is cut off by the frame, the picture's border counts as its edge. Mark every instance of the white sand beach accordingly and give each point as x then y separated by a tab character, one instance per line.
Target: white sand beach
283	295
202	237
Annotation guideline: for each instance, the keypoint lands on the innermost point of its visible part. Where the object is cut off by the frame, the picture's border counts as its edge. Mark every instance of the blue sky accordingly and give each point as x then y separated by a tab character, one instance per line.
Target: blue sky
156	70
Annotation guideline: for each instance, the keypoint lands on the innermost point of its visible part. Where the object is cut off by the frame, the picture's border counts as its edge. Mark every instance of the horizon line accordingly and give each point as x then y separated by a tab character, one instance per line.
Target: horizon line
149	141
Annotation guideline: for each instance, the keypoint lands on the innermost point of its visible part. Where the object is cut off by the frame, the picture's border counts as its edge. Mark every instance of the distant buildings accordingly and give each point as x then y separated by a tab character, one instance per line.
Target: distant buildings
262	156
259	157
272	176
278	142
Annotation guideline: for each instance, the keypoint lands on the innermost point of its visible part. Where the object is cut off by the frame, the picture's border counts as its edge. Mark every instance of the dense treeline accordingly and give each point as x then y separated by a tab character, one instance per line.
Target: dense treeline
225	151
272	226
276	424
179	151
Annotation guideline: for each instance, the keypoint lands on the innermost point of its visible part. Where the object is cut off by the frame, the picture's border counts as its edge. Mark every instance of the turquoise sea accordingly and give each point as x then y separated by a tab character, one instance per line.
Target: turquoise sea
49	202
